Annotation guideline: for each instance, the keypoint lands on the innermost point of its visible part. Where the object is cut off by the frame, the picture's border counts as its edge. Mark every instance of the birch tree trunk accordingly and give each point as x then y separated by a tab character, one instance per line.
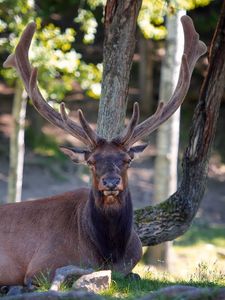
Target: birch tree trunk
165	173
16	155
146	75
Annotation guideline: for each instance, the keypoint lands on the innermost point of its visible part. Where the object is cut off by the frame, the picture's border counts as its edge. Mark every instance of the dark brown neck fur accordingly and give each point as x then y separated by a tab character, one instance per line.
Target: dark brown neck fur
110	228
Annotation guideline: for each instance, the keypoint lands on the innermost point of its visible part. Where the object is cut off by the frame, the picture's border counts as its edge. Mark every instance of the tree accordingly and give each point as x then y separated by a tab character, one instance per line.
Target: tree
171	218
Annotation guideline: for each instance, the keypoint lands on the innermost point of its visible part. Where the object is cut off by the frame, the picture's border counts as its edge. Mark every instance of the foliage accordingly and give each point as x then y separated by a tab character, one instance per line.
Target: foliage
51	51
88	24
152	13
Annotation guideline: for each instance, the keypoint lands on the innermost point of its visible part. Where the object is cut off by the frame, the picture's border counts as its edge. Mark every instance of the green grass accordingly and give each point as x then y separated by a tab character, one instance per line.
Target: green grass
203	233
126	289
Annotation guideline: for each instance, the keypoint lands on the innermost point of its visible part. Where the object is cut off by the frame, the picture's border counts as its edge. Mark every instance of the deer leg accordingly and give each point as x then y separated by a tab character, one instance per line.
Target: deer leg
44	263
11	272
38	266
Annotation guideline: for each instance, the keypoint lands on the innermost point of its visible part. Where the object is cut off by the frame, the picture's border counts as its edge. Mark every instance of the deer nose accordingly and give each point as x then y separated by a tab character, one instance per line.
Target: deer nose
111	182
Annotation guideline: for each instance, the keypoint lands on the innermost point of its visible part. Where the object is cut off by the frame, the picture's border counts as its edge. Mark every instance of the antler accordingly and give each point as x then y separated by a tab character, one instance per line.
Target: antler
193	49
19	60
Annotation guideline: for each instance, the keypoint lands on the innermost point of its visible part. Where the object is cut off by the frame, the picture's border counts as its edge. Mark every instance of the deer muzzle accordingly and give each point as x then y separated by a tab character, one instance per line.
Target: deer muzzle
111	185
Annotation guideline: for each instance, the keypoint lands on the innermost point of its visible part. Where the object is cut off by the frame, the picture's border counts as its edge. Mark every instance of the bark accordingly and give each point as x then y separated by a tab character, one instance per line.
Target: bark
119	45
167	143
16	156
171	218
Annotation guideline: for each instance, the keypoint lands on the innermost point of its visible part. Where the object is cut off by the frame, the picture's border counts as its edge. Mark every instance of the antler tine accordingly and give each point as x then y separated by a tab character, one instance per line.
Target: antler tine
128	131
50	114
70	126
193	49
87	128
191	37
19	60
69	123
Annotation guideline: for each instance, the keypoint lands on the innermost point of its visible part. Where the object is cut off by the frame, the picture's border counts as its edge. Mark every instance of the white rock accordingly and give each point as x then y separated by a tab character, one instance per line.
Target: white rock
94	282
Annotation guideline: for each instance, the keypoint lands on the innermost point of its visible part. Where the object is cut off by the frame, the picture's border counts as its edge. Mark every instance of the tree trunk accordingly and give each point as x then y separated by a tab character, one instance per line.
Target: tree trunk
165	173
171	218
118	51
16	158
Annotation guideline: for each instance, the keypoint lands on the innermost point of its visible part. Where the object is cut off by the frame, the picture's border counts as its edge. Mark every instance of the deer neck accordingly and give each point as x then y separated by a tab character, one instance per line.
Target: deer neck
110	224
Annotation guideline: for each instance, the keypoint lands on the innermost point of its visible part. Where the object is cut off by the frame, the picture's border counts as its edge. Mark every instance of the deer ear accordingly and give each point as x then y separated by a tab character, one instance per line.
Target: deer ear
134	151
77	155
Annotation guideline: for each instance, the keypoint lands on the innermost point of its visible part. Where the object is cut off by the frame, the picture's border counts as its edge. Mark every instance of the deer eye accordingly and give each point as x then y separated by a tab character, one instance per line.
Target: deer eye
128	162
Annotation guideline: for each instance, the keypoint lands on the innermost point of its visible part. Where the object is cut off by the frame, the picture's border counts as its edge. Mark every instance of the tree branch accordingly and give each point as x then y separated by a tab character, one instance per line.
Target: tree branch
173	217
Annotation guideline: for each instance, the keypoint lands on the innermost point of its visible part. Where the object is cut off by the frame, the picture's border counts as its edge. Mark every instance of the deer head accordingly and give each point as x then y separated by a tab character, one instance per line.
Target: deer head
108	160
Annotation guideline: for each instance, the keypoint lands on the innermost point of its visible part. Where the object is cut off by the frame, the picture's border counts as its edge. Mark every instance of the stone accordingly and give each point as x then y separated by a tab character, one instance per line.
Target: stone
62	274
94	282
15	290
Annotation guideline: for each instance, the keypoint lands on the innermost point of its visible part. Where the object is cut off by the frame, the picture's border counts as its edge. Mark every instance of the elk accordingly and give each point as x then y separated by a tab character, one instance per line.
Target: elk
88	227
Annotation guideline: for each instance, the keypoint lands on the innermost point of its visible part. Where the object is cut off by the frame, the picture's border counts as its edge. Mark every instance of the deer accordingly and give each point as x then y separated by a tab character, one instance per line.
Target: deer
88	227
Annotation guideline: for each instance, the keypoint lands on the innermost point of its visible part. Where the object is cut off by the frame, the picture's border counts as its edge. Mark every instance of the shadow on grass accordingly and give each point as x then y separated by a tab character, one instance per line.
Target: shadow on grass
127	289
203	233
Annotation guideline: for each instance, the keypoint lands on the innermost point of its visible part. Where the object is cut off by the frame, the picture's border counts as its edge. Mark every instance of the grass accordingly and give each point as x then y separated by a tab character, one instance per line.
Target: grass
153	280
127	289
202	233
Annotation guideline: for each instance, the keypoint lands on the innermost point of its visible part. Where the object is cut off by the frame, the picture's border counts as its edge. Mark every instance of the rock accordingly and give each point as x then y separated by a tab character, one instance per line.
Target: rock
94	282
4	289
15	290
64	273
